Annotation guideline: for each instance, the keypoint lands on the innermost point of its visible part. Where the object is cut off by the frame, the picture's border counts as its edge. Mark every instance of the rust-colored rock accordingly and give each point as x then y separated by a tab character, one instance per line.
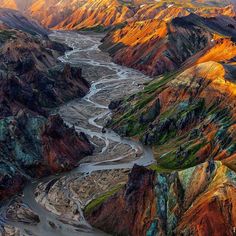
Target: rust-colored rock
130	211
63	148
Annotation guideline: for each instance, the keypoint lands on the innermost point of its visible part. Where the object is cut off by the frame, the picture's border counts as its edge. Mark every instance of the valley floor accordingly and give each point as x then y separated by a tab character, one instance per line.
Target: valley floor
53	206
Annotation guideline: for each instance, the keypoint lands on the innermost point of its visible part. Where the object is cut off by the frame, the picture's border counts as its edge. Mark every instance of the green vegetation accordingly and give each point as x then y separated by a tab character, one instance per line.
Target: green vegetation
97	29
134	107
159	169
181	160
6	35
102	198
187	132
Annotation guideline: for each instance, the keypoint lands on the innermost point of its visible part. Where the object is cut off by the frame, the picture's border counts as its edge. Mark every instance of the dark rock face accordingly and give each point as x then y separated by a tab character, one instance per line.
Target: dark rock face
32	78
36	146
129	212
153	112
16	20
11	180
114	104
62	146
33	144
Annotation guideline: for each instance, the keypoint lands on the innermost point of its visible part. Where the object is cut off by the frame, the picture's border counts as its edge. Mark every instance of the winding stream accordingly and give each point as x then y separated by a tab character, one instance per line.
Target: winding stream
109	81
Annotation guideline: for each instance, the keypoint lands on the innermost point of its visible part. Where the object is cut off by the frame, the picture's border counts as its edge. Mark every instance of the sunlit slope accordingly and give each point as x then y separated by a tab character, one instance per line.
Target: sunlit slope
95	13
159	46
79	14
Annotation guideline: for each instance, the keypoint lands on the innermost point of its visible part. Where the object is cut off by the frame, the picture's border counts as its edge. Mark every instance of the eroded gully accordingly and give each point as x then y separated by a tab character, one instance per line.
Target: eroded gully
109	81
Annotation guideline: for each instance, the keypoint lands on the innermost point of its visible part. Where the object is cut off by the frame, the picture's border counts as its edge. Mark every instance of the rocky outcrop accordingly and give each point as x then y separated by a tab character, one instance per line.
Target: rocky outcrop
194	201
19	212
16	20
8	230
63	147
31	76
131	210
32	143
34	146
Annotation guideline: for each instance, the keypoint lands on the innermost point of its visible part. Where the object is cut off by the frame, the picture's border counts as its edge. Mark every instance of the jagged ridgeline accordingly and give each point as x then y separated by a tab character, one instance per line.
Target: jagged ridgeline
81	14
187	115
184	115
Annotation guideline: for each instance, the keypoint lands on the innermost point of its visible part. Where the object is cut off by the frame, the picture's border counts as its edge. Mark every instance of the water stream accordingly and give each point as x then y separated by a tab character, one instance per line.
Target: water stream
109	81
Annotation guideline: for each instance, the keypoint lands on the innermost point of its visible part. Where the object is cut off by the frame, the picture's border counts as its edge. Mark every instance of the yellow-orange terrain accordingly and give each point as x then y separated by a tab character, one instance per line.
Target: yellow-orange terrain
80	14
188	117
186	114
75	14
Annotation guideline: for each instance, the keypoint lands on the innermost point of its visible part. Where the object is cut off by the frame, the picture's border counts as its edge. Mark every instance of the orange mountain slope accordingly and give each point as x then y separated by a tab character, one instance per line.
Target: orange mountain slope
189	119
95	13
79	14
190	40
193	202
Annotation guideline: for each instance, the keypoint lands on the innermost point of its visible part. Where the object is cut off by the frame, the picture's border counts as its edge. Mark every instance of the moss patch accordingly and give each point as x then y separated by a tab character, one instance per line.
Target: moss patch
102	198
6	35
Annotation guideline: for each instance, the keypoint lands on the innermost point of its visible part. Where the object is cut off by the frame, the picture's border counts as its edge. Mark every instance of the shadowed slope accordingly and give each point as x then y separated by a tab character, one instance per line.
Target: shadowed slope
32	143
16	20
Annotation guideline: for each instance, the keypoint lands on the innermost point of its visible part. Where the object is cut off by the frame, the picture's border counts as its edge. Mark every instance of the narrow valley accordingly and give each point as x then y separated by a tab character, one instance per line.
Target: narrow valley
89	114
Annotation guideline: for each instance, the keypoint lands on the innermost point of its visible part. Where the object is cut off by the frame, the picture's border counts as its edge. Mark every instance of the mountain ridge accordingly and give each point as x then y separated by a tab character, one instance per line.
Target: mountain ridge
105	13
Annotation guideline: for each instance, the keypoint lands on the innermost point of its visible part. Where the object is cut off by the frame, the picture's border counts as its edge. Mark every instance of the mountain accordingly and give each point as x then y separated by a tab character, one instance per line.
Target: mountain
194	97
97	13
158	46
21	5
16	20
187	115
74	14
195	201
100	14
34	143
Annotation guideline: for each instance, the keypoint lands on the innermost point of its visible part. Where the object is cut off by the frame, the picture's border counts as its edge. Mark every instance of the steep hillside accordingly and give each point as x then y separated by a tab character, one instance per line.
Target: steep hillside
97	13
196	201
156	47
16	20
101	14
76	14
32	143
186	114
188	117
